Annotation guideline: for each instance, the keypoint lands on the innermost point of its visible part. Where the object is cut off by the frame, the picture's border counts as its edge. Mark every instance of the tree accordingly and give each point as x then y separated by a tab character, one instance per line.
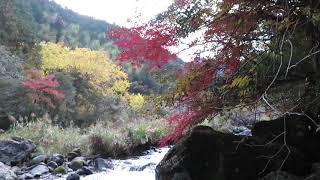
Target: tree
17	24
255	52
95	88
42	88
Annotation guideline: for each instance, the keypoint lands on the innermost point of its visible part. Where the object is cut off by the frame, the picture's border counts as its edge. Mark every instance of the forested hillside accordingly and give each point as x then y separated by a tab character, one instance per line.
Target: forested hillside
59	73
43	20
24	23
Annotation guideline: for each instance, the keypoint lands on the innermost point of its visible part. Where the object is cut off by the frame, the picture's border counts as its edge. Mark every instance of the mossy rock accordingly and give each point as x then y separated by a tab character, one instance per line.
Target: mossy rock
60	170
75	165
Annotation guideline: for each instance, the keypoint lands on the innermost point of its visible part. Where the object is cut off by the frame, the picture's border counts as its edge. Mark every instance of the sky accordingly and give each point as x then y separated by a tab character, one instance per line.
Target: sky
118	11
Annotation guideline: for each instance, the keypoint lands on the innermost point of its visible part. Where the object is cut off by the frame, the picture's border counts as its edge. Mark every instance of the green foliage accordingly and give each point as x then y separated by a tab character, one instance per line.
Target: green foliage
12	94
138	134
33	21
17	23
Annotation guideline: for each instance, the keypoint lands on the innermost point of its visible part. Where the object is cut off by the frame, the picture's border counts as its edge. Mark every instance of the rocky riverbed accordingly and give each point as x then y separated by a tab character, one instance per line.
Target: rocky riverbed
16	163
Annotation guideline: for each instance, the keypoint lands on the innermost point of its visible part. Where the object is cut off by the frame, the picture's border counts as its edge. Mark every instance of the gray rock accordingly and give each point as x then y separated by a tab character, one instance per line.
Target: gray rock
241	131
73	176
84	171
39	170
15	150
57	158
52	164
67	165
39	159
102	164
26	176
6	173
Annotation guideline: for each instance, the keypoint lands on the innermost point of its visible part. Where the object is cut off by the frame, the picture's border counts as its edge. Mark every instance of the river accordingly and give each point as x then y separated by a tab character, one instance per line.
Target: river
139	168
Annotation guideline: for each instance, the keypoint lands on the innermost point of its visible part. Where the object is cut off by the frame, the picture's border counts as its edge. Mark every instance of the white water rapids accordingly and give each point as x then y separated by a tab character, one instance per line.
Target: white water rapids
127	169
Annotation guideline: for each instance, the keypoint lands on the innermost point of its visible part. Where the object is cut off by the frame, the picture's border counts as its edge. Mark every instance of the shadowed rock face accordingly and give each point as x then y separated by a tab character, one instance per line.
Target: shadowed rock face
300	133
15	150
191	158
210	155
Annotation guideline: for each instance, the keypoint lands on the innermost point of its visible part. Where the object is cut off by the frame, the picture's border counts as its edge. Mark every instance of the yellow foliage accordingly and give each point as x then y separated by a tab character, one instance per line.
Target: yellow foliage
94	66
137	102
241	82
121	86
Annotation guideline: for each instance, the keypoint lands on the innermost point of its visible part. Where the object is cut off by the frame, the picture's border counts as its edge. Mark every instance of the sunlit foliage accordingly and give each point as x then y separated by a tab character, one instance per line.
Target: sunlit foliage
137	102
103	75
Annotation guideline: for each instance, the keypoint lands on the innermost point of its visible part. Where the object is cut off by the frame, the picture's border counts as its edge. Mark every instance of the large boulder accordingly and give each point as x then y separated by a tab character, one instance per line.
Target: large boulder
6	173
195	157
301	132
15	150
212	155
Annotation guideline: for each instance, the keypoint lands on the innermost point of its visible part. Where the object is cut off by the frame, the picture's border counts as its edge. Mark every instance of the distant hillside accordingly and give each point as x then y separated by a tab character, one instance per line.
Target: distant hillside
44	20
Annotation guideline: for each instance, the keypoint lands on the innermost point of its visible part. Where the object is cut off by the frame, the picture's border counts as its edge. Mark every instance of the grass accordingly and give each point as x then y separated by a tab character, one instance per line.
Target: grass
107	139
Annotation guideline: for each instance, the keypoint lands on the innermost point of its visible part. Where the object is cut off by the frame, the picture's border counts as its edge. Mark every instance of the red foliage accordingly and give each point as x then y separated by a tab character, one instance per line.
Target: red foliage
145	44
226	33
42	88
177	124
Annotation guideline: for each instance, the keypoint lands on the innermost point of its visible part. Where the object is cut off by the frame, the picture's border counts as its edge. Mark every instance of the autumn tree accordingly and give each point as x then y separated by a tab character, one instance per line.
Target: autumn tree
93	84
252	52
42	88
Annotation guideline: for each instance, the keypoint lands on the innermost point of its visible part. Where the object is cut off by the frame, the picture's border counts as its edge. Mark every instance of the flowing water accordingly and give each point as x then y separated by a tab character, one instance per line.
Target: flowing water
140	168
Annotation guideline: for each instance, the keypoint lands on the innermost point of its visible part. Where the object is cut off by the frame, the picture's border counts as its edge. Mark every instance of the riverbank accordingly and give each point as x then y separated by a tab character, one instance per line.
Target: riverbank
115	140
55	152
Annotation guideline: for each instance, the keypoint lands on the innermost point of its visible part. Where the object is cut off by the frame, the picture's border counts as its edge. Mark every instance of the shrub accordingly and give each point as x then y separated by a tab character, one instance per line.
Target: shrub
43	88
137	102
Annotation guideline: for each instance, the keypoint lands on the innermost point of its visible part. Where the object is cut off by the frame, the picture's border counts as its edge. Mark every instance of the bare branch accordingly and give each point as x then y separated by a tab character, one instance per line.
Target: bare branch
306	57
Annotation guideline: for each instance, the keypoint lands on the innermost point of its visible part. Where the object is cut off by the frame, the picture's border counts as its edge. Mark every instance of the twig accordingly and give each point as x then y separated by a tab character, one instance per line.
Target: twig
289	63
306	57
